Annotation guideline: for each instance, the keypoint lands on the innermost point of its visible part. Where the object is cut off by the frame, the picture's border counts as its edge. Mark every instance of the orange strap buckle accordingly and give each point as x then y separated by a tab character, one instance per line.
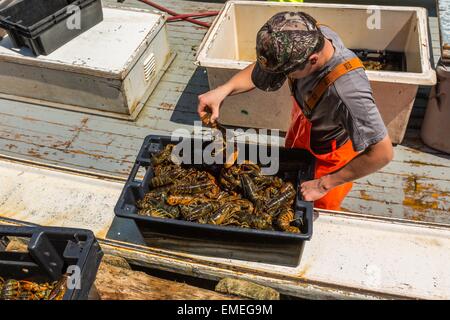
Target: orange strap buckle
330	78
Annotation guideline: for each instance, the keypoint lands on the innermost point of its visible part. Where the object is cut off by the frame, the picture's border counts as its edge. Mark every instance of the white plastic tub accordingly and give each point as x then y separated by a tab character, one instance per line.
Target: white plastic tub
109	70
229	47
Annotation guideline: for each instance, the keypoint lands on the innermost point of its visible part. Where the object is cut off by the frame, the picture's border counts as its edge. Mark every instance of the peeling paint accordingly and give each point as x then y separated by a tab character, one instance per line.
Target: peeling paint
167	106
304	270
364	195
422	197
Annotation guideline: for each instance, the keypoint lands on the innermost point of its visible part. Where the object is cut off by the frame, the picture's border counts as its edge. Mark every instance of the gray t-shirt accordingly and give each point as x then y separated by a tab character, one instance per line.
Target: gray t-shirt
346	110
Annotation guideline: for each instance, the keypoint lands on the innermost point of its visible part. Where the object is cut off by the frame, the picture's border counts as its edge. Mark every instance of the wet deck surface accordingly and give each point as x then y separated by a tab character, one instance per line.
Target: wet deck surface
416	185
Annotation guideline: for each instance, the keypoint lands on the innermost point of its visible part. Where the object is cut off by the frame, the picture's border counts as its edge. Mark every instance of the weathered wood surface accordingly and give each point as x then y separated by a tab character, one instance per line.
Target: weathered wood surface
415	185
247	289
115	283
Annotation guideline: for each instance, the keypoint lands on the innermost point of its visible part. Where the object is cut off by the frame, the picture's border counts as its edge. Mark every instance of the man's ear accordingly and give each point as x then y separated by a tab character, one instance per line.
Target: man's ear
313	59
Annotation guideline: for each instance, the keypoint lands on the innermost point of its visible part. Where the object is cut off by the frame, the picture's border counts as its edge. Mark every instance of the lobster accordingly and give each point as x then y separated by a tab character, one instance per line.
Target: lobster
247	220
163	156
285	198
285	217
192	213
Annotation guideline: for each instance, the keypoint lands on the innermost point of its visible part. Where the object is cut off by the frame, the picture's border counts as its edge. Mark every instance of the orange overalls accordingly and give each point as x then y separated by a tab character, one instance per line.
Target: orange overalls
299	133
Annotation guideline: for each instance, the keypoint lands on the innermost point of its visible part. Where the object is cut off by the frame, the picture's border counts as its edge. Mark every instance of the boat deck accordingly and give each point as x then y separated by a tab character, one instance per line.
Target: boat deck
416	185
366	267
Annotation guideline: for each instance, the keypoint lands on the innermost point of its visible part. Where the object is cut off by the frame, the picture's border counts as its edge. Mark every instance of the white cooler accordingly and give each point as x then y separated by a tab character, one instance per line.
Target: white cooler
110	69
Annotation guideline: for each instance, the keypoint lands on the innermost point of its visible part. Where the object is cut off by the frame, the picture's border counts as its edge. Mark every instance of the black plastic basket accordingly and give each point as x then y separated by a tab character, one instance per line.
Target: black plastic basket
273	247
42	25
51	251
392	60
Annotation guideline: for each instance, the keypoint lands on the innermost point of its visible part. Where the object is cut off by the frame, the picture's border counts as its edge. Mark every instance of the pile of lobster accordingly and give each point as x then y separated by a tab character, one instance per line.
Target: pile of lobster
239	196
27	290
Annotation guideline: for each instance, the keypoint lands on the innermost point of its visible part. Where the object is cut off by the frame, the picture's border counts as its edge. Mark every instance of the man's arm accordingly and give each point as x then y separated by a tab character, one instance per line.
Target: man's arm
372	159
211	101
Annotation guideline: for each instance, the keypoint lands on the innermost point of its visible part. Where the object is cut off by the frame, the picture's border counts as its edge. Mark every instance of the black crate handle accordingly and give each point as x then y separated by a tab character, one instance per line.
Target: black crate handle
305	209
45	255
149	146
80	248
134	171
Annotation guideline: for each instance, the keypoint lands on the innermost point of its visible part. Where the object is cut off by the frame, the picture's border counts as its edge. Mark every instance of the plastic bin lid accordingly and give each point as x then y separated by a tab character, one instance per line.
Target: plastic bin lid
90	52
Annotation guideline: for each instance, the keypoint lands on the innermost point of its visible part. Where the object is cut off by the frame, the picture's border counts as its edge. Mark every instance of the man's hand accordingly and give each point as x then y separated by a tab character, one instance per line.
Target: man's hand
372	159
210	102
314	190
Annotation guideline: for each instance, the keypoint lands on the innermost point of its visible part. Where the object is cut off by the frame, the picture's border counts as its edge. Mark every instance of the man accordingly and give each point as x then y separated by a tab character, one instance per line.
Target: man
334	115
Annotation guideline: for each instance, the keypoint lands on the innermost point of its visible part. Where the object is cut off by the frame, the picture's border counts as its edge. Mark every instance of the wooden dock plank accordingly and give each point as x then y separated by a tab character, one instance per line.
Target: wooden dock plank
114	283
412	156
402	168
411	188
76	136
79	142
384	209
70	158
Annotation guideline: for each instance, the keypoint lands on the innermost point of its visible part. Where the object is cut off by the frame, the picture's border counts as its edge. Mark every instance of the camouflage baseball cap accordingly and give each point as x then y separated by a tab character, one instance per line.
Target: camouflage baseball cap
283	45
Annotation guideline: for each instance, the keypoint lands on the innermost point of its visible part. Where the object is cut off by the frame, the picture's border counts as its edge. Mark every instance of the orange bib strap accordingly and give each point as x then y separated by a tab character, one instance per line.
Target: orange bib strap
330	78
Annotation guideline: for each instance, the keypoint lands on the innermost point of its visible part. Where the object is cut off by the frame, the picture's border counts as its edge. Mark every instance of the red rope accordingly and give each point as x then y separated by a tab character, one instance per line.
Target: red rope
186	17
193	15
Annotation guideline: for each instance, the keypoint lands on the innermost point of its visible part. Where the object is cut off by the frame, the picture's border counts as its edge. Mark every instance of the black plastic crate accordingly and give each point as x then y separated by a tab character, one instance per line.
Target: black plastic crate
51	251
392	60
41	25
273	247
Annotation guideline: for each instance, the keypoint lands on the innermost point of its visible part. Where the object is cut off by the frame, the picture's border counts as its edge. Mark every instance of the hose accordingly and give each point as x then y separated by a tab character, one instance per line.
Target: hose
186	17
193	15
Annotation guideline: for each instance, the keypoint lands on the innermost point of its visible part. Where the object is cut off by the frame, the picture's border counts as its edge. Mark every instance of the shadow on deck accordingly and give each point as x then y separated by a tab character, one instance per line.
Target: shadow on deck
185	111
